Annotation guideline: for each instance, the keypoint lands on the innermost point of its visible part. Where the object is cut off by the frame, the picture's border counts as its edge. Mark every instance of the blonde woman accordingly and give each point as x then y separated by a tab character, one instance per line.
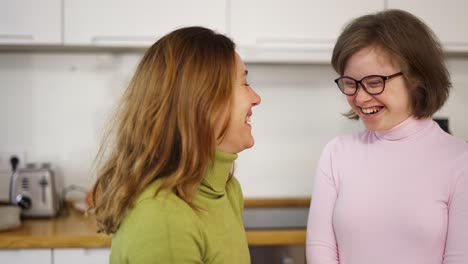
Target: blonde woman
164	187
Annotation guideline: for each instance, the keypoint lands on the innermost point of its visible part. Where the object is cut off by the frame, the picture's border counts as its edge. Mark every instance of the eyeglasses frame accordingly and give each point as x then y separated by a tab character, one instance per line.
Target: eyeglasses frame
384	78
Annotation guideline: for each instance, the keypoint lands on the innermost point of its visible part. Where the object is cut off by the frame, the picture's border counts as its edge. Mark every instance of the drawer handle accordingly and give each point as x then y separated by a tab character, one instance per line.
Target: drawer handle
16	37
123	39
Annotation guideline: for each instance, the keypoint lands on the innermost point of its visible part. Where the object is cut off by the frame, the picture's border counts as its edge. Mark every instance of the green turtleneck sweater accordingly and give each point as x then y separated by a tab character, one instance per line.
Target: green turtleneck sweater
164	229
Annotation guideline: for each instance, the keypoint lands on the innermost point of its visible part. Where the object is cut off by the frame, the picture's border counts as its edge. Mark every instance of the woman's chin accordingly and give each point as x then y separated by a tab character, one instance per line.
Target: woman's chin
247	145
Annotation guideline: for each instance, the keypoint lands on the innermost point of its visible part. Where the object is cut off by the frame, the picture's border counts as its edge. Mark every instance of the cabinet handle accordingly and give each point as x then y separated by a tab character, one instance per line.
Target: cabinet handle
17	37
325	44
123	40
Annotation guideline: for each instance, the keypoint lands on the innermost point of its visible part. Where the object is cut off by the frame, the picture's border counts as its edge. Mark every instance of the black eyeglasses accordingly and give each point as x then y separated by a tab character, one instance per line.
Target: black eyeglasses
372	84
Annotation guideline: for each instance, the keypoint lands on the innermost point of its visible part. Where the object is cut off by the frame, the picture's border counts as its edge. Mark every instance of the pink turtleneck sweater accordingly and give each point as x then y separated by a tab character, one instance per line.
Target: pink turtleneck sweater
392	197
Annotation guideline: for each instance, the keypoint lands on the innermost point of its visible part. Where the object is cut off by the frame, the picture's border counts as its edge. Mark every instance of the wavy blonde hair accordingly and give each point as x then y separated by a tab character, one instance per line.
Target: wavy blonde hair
164	125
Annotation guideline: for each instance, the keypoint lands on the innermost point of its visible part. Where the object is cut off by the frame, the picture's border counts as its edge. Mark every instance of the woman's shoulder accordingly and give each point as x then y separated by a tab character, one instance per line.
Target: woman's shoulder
448	145
158	212
163	201
455	143
460	154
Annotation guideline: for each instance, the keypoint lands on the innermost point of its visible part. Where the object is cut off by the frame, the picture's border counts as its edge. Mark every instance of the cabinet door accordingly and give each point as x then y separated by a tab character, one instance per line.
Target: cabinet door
292	30
81	255
26	256
25	22
447	19
136	23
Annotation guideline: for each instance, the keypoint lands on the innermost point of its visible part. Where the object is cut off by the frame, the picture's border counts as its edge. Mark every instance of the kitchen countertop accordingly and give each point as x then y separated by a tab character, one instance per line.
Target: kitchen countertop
79	231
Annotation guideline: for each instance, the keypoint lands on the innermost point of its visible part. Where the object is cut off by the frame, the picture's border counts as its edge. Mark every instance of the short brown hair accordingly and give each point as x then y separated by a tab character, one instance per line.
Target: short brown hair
164	126
408	41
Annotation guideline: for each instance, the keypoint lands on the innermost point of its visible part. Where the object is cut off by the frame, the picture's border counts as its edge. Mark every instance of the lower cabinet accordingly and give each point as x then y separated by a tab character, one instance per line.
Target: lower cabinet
285	254
81	255
258	254
26	256
55	256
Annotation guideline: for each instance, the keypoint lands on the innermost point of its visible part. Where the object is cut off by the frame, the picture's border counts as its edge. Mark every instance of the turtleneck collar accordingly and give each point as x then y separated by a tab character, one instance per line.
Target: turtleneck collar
405	129
217	175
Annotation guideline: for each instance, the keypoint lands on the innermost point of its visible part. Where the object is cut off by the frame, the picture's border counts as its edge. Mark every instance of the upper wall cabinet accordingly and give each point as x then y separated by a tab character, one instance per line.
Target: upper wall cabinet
447	19
292	31
30	22
136	23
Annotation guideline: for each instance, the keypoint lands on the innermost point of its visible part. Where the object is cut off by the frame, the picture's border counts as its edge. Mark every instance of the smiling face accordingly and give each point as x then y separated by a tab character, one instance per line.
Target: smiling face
388	109
238	135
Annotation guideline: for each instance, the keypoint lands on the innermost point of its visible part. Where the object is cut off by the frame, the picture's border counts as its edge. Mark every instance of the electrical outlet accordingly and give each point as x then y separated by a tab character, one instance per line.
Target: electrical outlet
5	156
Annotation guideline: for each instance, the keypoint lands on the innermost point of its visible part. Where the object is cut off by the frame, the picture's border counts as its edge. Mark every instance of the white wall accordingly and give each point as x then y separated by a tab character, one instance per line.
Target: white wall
53	105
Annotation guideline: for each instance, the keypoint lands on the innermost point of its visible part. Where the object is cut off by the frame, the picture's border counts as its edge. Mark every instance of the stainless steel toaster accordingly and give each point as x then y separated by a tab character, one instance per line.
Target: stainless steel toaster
35	191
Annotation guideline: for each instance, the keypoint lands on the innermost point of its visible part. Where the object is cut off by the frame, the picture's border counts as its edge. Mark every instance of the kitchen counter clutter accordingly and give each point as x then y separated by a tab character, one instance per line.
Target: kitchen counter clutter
74	230
10	217
77	230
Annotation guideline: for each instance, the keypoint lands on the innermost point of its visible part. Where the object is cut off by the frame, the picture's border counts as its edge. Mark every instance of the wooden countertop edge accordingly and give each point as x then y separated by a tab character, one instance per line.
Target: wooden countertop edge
72	241
277	202
254	238
276	237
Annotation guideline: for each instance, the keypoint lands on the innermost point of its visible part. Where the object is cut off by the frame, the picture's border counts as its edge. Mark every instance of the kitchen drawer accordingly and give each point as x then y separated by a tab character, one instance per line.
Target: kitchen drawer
81	255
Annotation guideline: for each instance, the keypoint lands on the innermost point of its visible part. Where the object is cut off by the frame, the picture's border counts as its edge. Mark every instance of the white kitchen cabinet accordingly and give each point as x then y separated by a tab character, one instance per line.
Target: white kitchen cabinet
30	22
81	255
292	31
136	23
447	19
26	256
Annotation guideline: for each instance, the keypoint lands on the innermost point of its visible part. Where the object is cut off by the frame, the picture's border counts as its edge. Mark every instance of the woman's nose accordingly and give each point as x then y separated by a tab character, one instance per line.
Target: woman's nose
256	98
361	95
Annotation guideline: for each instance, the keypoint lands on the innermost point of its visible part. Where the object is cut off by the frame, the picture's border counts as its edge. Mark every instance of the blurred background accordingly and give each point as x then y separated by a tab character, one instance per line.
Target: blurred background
65	63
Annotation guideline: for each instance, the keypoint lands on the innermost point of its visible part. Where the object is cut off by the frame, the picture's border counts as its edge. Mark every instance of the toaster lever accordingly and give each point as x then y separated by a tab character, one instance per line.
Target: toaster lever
43	182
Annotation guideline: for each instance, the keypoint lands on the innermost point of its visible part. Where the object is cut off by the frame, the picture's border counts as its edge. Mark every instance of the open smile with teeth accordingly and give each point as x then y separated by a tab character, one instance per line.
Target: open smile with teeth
371	110
247	120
